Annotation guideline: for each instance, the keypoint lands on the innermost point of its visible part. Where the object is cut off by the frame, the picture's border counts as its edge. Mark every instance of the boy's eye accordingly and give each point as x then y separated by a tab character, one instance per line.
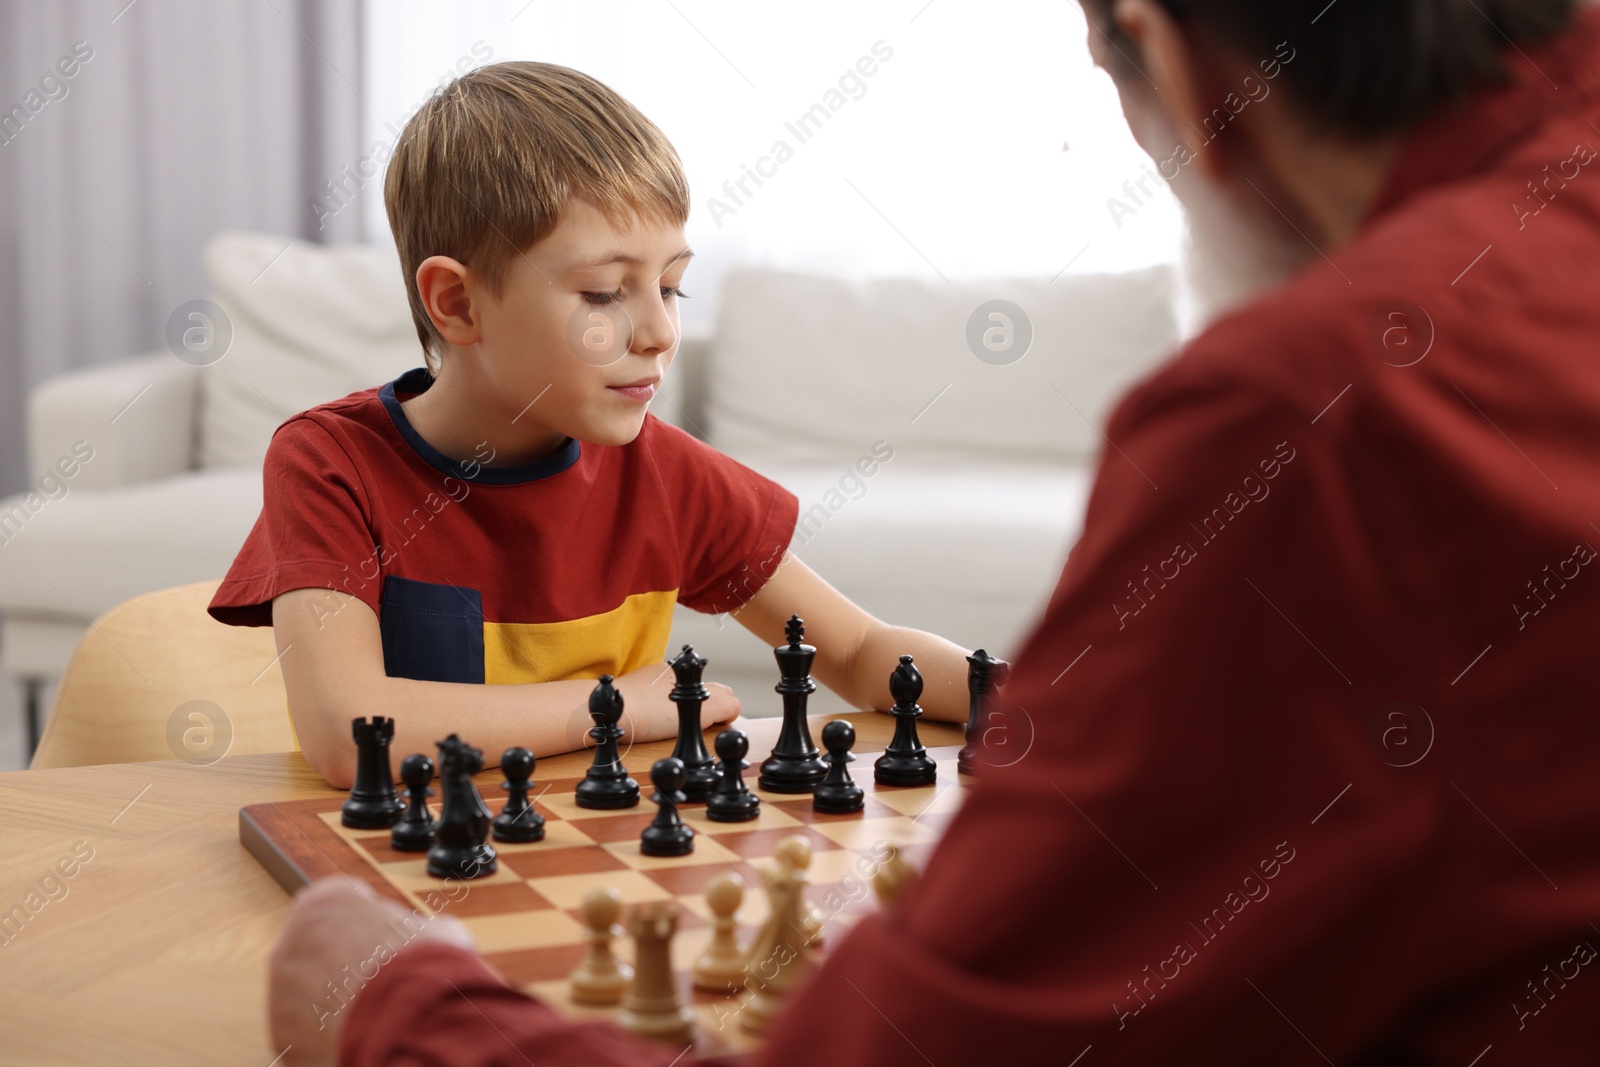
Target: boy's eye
616	297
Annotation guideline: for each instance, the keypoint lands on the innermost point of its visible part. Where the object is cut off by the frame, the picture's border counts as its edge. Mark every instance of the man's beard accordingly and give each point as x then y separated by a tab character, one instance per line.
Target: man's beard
1236	244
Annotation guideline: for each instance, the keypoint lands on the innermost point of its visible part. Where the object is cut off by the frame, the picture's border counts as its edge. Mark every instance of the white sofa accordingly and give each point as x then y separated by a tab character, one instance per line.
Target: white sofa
961	531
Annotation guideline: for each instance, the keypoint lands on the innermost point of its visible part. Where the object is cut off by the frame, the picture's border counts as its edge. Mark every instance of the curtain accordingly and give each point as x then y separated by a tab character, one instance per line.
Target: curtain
131	132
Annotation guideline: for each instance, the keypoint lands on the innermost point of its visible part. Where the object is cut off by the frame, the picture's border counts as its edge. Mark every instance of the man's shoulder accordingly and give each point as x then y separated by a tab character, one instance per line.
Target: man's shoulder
1347	322
1424	283
1280	351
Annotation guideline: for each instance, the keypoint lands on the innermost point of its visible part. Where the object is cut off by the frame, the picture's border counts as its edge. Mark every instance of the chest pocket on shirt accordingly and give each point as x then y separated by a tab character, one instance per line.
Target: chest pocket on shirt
431	632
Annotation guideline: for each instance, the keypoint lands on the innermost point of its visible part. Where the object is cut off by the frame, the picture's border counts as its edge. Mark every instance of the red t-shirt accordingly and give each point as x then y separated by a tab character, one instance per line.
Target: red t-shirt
568	567
1302	757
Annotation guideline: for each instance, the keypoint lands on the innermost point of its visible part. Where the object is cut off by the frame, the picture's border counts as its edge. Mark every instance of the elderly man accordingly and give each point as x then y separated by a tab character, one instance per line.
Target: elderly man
1318	786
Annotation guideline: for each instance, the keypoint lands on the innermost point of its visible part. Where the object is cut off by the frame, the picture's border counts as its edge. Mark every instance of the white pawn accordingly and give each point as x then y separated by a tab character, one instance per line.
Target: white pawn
891	880
720	967
601	978
812	920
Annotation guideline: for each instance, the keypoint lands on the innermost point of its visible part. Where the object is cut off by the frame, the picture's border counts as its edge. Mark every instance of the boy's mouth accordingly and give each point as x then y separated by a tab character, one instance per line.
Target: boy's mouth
639	392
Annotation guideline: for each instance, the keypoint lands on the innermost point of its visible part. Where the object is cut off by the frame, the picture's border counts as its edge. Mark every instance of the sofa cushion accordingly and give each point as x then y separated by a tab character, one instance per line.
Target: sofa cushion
815	369
93	549
310	324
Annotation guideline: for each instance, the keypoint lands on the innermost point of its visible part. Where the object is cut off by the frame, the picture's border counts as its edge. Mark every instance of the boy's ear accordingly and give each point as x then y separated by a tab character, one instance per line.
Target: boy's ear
442	287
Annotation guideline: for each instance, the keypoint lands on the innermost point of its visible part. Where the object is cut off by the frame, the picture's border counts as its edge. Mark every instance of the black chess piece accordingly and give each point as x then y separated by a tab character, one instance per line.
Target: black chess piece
795	766
668	835
373	803
414	831
700	770
607	785
905	761
984	674
461	846
518	822
837	794
731	800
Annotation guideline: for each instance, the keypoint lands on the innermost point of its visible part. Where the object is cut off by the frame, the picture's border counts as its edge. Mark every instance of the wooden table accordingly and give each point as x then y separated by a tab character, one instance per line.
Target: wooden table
153	952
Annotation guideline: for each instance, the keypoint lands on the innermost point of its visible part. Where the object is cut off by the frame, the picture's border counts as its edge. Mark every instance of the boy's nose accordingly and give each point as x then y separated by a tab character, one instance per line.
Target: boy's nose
653	329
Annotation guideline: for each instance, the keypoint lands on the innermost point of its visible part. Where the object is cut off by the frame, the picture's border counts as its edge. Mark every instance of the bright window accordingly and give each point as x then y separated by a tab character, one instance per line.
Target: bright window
983	141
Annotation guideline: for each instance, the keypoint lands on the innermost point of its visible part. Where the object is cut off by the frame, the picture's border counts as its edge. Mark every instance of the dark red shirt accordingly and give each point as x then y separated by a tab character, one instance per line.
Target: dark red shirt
1311	724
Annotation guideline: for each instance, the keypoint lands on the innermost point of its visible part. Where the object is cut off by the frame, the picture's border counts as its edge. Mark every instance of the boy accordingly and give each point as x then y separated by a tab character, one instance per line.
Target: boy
511	514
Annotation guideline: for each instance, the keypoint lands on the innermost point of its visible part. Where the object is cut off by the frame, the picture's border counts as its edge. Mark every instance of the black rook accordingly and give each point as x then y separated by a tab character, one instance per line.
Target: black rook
373	803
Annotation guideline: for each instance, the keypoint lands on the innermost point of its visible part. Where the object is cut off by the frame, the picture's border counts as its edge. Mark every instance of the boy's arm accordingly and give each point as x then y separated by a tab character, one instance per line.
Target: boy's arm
331	653
856	653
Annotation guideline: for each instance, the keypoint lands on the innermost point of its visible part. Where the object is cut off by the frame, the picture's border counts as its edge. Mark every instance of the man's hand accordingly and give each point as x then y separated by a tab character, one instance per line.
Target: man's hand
649	716
338	934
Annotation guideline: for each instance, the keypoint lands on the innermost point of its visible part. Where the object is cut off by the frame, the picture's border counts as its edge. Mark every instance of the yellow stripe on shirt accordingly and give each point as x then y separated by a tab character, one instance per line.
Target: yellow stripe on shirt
629	636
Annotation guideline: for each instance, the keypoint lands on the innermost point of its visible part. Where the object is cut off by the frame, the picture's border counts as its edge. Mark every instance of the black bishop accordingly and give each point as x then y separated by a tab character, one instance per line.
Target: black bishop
905	761
607	785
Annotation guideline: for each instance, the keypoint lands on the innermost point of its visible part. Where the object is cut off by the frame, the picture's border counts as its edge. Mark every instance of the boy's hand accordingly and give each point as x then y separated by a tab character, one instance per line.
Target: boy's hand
856	653
648	715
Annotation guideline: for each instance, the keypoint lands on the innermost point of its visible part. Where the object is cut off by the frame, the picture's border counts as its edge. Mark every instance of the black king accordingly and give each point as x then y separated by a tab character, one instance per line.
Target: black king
795	766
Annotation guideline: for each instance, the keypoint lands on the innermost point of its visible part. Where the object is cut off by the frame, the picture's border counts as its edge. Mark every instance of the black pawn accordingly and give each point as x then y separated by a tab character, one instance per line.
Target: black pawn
461	846
905	761
837	794
607	785
668	835
518	822
794	766
373	803
414	831
689	694
731	800
984	673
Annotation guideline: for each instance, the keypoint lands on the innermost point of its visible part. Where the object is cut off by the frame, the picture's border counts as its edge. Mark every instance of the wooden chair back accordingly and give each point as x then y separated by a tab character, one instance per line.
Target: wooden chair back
156	678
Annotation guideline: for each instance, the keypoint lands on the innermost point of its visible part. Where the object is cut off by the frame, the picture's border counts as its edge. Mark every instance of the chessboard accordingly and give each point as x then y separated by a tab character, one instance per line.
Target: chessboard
526	916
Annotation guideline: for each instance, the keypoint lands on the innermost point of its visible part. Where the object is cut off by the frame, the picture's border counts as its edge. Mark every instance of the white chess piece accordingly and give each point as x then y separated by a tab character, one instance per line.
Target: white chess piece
891	880
601	978
720	969
653	1007
777	959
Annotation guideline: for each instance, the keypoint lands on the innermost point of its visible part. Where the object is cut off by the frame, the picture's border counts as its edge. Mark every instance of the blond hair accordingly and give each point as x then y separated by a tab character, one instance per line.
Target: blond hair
486	165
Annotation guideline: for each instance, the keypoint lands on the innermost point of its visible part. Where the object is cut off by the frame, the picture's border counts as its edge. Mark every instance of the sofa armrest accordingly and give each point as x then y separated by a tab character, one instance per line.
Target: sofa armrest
138	415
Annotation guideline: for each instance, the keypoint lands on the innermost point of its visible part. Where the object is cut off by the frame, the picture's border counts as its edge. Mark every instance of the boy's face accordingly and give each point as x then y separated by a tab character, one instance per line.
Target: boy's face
585	327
